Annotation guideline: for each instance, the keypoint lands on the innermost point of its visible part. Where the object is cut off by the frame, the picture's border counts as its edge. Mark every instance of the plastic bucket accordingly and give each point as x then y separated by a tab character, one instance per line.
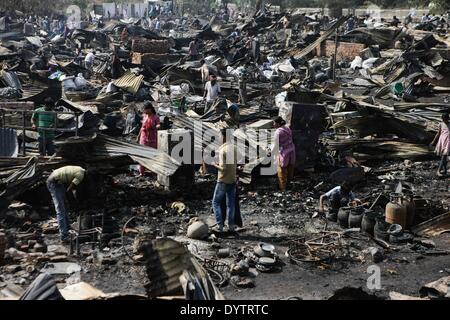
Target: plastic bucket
398	88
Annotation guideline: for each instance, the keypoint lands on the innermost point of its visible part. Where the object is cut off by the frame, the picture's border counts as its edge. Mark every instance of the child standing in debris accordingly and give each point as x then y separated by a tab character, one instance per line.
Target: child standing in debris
443	144
286	155
148	135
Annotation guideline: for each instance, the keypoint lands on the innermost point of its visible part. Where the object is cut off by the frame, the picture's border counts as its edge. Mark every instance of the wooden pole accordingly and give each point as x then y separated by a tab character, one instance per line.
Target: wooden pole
335	55
23	133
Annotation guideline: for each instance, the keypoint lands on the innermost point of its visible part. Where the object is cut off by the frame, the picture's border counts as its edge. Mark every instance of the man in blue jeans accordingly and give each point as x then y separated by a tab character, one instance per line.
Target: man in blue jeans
226	183
63	180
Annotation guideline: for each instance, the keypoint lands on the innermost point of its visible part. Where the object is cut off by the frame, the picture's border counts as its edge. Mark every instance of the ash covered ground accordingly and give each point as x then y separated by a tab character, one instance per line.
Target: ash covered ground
270	217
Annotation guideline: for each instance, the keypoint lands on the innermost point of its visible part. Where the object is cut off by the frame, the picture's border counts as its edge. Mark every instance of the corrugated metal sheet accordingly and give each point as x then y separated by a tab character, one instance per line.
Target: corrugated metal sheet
9	146
129	82
172	269
35	41
31	92
152	159
18	182
11	79
101	68
251	147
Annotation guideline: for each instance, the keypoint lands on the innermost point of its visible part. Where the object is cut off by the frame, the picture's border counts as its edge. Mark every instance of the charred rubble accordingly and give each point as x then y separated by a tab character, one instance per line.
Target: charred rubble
363	106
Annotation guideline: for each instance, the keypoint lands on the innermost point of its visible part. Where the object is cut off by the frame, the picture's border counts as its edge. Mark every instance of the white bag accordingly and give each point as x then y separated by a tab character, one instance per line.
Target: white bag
80	81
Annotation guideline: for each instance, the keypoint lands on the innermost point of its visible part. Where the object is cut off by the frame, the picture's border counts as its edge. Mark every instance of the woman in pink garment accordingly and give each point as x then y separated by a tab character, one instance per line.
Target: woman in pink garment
286	154
443	144
148	135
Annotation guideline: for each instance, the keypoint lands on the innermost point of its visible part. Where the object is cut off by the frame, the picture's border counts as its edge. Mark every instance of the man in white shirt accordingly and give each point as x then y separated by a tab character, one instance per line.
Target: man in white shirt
212	90
89	60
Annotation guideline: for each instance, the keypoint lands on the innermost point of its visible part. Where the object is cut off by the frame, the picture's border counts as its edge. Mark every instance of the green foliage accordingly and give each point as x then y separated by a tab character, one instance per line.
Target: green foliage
441	5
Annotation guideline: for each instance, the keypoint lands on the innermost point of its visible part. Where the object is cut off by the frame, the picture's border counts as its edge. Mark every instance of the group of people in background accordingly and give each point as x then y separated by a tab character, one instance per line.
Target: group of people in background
442	21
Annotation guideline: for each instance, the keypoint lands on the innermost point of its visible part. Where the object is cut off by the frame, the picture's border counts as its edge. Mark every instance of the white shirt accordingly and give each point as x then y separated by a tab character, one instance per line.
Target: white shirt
337	192
212	92
89	57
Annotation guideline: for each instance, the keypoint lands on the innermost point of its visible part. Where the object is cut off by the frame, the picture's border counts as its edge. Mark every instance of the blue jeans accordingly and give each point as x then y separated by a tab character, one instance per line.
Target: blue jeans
58	192
222	190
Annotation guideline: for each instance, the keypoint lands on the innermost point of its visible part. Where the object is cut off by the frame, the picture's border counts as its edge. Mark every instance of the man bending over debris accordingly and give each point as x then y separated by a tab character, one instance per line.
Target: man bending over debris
340	196
226	183
45	122
70	176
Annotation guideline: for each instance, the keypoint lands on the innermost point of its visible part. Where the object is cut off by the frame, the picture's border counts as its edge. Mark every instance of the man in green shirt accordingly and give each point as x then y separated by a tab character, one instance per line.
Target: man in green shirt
42	121
63	180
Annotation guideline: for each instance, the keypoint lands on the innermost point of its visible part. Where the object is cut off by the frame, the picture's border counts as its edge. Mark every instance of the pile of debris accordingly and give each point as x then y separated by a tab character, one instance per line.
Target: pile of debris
353	99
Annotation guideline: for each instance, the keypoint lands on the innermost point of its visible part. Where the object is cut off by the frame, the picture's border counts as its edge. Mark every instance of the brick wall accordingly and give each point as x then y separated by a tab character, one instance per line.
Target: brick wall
345	50
17	105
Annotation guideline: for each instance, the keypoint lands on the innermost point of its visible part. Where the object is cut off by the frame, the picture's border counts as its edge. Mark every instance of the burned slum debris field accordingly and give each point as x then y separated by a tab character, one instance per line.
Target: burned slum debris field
104	101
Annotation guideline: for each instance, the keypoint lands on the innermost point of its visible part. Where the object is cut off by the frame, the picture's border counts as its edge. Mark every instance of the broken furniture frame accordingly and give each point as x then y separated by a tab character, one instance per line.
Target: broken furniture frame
94	235
24	127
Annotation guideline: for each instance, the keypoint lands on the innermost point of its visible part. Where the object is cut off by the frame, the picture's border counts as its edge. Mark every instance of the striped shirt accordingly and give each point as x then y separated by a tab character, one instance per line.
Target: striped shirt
45	120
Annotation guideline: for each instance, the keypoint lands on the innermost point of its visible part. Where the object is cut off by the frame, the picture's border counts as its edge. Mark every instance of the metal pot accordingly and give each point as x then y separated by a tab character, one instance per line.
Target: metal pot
380	230
264	250
410	208
395	229
355	218
342	216
368	222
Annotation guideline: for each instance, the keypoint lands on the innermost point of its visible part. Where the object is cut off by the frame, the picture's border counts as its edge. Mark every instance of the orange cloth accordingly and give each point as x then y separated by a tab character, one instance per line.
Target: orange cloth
285	175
